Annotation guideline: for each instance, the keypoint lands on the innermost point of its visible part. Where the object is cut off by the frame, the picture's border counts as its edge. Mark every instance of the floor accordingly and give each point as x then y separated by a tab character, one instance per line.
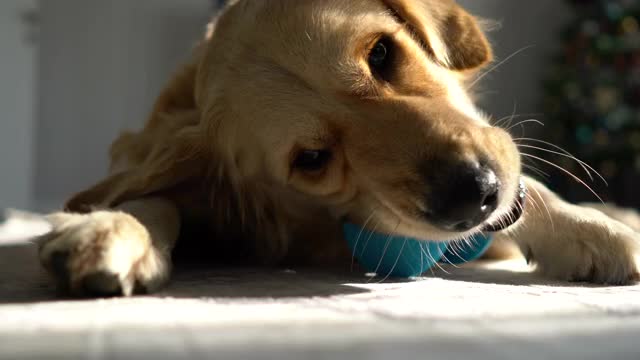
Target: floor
487	311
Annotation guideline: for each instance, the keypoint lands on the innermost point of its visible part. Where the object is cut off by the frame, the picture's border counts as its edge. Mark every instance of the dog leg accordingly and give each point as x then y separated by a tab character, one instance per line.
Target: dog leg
112	252
574	243
629	217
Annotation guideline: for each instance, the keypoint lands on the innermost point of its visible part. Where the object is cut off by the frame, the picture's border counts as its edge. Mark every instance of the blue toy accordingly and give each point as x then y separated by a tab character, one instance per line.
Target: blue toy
399	256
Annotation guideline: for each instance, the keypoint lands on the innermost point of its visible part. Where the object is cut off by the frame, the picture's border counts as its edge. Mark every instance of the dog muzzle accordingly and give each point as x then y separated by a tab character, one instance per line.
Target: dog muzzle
400	256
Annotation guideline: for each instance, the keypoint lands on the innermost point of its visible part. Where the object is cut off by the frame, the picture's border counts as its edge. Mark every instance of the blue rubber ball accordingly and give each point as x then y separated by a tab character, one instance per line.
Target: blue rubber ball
400	256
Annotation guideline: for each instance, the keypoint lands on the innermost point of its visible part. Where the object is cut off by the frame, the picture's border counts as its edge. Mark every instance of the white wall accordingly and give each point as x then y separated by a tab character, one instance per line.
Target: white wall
101	65
523	23
17	94
103	62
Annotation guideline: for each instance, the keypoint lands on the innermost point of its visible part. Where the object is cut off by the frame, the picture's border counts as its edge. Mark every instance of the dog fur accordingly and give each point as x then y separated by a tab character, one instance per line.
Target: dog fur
272	78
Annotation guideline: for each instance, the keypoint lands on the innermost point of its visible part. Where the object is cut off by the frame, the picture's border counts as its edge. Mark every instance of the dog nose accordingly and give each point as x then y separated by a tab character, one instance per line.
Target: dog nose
463	197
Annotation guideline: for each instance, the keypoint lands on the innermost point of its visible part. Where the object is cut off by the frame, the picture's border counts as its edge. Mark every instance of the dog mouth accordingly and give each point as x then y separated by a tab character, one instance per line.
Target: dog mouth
502	222
516	212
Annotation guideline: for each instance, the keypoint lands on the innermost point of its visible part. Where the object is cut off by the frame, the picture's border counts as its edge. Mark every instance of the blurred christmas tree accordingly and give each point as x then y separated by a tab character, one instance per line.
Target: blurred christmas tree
592	101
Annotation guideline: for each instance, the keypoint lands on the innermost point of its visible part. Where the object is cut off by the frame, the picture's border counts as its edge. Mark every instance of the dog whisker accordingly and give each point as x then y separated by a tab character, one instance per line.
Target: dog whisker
469	240
584	165
533	201
544	203
562	152
452	248
355	247
502	123
364	248
502	221
573	176
421	258
423	253
455	245
473	240
396	262
536	170
384	252
521	206
508	118
386	247
581	163
436	262
511	216
498	65
523	122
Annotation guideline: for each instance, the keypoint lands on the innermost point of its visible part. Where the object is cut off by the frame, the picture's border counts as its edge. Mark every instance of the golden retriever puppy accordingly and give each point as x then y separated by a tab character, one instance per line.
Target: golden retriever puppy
294	116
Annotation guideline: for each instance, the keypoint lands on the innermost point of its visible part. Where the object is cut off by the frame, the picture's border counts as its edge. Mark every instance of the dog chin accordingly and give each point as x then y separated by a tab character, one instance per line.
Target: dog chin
509	216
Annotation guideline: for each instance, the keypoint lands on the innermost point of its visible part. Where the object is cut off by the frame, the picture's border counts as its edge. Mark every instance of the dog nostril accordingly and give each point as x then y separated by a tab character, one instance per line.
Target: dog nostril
490	202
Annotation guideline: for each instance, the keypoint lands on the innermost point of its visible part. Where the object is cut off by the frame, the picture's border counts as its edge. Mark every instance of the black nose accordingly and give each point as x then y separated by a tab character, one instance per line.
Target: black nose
462	196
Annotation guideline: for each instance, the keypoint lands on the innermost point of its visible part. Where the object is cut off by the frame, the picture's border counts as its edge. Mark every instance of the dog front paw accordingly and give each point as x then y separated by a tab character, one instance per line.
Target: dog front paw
102	253
593	248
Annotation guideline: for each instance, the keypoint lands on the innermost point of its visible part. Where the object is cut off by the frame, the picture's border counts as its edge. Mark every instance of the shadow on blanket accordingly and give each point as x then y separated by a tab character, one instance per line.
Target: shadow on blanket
22	280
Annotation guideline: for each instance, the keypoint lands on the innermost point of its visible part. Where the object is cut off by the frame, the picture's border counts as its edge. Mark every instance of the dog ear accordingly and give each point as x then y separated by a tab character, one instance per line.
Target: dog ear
449	34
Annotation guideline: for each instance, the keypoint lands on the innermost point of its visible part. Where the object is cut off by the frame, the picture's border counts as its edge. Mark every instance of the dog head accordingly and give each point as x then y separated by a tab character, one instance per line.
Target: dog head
356	107
360	106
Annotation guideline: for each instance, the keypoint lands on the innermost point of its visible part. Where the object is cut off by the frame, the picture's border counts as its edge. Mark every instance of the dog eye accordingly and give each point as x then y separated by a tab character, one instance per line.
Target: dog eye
380	57
312	160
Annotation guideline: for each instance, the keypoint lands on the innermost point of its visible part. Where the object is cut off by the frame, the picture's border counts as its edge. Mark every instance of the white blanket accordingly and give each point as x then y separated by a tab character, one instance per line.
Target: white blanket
483	311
